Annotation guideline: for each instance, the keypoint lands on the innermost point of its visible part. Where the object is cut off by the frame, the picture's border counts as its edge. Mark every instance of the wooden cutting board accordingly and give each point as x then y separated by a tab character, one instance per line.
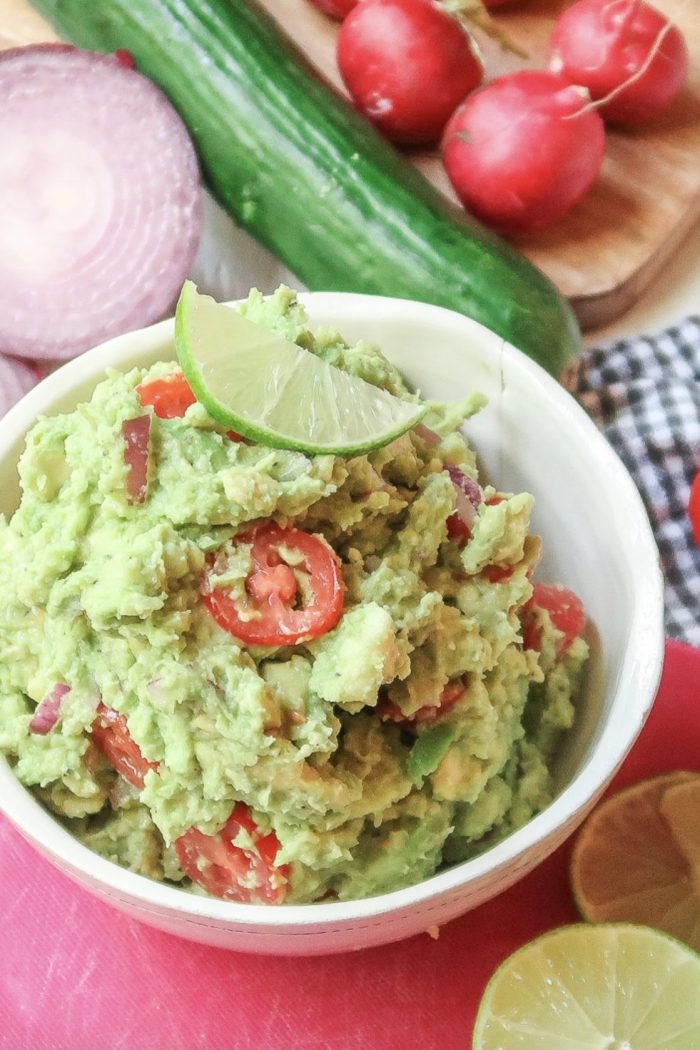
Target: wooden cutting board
611	246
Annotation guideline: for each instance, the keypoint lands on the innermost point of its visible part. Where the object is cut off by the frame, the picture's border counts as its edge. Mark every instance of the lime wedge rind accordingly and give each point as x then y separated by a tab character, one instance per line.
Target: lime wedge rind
621	985
276	393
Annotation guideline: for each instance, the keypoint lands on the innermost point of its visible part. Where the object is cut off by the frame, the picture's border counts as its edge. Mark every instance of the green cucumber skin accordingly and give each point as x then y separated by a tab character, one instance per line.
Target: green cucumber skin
310	178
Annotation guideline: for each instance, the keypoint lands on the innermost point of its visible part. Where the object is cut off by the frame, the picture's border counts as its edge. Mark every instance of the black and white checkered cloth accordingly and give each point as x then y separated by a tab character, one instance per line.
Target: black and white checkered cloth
645	395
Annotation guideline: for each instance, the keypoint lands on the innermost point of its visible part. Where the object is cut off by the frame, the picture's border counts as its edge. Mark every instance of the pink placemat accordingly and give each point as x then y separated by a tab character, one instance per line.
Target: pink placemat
76	975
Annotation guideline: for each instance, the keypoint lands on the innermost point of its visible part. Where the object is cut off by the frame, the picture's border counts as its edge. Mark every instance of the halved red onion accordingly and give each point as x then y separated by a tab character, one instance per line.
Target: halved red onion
48	711
136	433
16	378
468	494
428	435
100	201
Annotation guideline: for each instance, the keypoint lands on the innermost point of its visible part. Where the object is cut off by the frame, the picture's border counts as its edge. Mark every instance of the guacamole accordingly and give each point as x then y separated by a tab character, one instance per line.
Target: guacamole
268	676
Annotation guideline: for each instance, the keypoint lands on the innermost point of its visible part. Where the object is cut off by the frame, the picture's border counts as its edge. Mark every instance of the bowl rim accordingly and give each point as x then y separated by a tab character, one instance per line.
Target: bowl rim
638	680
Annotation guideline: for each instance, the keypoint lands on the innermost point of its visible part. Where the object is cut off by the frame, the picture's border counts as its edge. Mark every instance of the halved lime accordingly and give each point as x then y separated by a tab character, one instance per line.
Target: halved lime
275	392
637	858
608	987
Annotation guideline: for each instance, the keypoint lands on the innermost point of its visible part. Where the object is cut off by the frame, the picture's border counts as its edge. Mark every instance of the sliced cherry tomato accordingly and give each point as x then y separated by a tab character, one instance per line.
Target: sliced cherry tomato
232	872
694	508
111	735
391	712
170	397
565	610
275	613
498	573
458	530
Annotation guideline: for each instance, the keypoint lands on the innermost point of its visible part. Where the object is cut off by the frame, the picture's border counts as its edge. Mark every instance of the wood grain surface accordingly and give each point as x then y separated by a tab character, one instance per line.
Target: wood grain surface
611	246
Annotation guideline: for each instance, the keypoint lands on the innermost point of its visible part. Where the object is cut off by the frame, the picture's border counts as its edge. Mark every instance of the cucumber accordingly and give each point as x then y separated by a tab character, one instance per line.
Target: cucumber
291	161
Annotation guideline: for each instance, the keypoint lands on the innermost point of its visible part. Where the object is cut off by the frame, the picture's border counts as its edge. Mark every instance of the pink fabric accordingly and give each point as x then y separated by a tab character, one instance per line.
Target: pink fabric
75	975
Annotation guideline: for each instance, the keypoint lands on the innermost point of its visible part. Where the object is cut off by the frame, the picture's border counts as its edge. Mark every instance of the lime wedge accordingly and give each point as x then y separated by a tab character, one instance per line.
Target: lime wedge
608	987
637	858
275	392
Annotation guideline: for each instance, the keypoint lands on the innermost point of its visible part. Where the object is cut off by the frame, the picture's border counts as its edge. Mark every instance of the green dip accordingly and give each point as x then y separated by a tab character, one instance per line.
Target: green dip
337	746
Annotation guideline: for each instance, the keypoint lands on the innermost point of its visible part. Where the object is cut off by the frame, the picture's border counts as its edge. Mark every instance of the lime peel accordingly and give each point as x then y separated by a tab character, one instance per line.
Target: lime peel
588	987
275	392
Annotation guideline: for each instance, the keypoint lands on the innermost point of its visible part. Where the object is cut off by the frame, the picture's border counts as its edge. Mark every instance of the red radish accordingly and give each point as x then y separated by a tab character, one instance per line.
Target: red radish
335	8
48	711
110	735
100	201
625	49
16	378
406	64
136	433
492	4
523	150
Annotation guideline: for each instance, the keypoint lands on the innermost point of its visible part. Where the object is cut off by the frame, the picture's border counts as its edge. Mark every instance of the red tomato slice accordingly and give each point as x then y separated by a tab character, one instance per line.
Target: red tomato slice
458	530
231	872
566	613
169	397
498	573
111	735
279	616
694	508
391	712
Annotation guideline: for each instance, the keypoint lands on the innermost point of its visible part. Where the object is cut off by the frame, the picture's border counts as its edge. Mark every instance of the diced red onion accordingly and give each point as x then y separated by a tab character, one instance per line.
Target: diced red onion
100	201
428	435
48	711
468	494
122	793
16	378
136	433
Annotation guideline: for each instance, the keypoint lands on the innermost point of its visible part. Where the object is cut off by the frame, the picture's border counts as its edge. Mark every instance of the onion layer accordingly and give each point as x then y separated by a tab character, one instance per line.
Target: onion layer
467	492
48	711
100	201
137	433
16	378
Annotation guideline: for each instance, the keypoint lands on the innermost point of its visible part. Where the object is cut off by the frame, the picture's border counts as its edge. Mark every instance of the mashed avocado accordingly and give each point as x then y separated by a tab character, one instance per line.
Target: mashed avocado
413	730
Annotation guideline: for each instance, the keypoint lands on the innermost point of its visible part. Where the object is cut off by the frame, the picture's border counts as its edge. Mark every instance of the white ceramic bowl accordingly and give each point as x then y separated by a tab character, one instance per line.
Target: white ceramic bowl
597	540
